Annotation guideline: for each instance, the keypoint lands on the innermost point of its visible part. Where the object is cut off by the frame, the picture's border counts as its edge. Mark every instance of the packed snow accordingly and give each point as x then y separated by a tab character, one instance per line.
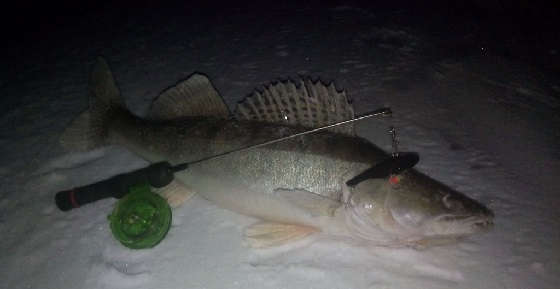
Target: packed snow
484	124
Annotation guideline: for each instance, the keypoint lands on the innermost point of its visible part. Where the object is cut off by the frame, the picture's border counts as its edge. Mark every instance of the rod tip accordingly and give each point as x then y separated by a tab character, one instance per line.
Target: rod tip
386	111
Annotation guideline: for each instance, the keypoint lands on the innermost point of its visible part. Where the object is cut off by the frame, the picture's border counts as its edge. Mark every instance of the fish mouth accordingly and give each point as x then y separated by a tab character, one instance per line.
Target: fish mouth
483	225
475	223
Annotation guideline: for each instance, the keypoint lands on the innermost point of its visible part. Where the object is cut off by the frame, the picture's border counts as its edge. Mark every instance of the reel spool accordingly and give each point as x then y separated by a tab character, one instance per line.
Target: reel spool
141	219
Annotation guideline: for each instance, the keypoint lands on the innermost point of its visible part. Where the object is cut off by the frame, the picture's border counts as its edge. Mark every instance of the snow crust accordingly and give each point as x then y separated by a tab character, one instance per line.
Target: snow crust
482	124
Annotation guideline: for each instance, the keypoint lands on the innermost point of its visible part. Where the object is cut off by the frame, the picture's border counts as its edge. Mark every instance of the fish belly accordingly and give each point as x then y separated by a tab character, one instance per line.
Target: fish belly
254	183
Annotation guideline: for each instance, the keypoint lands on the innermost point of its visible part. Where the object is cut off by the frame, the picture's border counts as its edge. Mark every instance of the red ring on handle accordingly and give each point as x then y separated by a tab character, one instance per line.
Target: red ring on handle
73	199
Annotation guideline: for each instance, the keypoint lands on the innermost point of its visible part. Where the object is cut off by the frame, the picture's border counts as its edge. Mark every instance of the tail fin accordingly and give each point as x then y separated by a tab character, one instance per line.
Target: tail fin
89	129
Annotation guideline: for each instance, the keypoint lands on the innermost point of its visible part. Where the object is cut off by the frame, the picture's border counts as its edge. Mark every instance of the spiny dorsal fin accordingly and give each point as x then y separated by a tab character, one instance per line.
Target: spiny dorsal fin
195	96
309	104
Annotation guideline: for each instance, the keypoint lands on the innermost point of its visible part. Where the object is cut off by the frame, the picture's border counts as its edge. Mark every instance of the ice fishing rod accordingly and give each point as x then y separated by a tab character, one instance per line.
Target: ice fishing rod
161	174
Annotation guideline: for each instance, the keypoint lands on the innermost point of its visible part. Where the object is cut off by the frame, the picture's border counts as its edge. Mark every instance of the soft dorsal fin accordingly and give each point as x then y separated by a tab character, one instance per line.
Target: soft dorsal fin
195	96
309	104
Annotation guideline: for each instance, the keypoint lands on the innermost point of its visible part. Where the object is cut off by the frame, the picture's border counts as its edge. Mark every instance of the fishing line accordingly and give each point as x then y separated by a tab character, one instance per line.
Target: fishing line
380	112
161	174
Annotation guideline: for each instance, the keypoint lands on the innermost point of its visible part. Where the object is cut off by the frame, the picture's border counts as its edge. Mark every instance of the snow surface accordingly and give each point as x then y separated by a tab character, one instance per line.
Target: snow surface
483	124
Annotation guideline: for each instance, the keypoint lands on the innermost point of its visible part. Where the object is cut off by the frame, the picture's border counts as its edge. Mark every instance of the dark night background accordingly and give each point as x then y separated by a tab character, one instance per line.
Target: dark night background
520	31
525	30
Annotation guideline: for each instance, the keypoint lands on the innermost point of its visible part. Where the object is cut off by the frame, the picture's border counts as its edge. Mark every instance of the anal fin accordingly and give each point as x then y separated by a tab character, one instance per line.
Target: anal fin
175	193
428	242
270	234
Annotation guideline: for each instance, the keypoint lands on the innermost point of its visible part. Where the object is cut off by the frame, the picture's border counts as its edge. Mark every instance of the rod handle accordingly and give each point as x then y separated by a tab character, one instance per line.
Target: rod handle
157	175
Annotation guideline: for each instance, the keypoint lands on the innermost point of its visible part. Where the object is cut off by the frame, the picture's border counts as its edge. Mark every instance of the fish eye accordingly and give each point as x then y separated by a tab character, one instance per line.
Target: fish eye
451	204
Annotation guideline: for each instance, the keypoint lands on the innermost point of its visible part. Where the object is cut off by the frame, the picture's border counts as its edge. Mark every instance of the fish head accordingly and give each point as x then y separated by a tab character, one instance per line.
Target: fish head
415	206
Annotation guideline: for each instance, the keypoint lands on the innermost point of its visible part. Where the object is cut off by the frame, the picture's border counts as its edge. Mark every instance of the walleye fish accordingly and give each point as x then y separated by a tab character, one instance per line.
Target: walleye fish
297	186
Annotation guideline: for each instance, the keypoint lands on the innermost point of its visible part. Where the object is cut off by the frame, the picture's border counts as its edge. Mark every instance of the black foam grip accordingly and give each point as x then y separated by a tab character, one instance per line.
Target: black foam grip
157	175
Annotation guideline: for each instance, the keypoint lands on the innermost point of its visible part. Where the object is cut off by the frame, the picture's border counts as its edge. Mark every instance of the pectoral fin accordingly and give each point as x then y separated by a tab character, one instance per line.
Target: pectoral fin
175	193
267	234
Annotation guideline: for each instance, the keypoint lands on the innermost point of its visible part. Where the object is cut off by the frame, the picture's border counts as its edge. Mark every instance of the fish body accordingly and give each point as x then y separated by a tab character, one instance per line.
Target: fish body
295	183
257	182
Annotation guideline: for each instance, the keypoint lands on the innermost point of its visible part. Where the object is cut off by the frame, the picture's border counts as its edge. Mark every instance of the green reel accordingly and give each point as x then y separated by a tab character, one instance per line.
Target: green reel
141	219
